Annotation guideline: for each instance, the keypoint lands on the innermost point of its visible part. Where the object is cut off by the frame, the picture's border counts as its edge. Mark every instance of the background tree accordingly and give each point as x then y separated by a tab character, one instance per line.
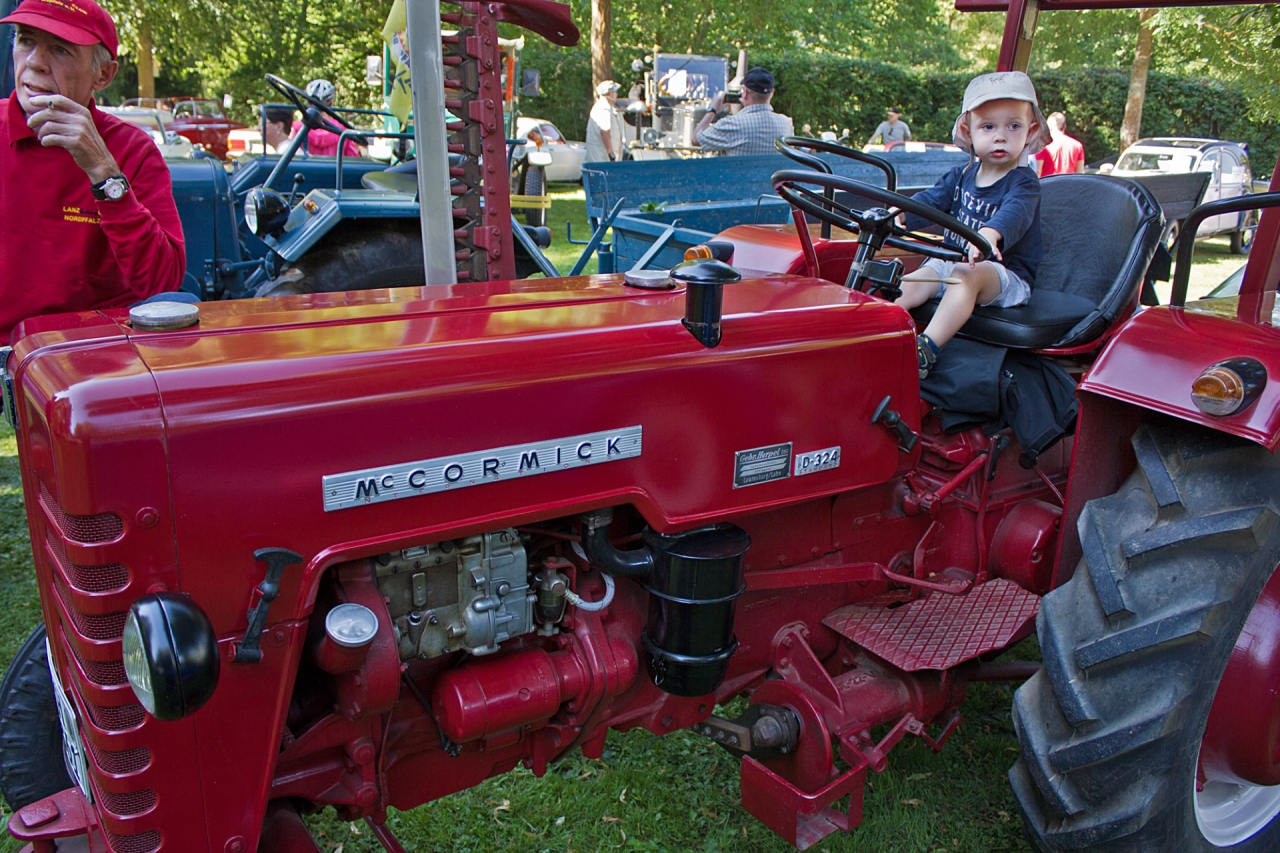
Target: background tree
1131	128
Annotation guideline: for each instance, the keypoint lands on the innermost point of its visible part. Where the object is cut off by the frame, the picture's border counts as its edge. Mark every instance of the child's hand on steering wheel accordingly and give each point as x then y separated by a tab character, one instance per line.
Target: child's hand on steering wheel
993	237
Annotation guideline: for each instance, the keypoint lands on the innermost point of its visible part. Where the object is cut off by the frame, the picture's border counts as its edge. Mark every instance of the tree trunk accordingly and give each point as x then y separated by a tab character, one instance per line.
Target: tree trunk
146	62
601	41
1132	127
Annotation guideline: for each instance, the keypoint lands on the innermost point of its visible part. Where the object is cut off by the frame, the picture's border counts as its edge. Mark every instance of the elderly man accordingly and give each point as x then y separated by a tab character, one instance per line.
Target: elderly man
604	131
88	216
751	130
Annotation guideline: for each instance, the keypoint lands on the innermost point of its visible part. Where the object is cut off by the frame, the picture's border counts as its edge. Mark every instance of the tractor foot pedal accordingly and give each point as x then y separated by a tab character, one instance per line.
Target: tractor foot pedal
940	631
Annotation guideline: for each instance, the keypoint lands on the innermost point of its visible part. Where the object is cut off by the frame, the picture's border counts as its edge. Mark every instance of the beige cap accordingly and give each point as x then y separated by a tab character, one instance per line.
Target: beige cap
1002	85
606	86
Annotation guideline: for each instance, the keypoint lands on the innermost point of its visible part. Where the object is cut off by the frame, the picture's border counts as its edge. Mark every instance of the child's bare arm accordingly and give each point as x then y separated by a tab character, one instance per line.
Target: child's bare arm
993	237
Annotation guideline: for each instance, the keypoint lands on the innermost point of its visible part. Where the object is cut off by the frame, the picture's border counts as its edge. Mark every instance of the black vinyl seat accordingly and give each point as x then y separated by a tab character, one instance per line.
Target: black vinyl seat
1100	234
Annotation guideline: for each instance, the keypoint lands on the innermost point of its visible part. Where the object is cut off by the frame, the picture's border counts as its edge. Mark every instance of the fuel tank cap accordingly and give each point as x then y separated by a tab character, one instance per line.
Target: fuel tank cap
159	316
650	279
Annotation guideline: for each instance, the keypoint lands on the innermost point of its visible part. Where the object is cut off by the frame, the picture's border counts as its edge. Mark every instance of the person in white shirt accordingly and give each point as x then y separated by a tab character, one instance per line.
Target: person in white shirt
604	130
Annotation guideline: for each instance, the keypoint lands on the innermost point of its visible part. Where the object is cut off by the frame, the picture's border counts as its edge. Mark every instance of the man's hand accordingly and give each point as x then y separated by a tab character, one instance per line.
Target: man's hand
717	103
993	237
63	123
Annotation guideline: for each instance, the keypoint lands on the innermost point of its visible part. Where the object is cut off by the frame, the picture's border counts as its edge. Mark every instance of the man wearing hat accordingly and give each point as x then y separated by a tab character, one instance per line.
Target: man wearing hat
892	130
751	130
88	218
604	130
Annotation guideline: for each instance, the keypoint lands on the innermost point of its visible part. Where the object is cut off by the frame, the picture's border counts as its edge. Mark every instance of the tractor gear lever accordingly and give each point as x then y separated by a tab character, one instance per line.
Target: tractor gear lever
907	439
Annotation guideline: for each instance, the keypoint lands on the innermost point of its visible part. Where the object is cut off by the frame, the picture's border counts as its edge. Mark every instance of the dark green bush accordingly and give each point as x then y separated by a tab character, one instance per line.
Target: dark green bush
831	93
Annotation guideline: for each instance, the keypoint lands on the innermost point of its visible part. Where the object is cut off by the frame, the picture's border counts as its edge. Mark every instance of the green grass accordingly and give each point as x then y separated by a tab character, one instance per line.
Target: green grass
654	794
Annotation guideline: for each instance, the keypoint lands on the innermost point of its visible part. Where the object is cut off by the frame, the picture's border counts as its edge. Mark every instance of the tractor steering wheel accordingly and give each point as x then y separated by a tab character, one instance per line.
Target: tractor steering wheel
789	146
876	227
304	102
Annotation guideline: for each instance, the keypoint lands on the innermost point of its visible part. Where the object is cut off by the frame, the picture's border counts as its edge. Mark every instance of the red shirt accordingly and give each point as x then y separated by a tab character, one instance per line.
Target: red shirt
324	143
1063	156
61	249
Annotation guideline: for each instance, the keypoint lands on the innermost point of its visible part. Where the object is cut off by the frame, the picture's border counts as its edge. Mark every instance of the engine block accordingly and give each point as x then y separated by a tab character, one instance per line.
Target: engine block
458	595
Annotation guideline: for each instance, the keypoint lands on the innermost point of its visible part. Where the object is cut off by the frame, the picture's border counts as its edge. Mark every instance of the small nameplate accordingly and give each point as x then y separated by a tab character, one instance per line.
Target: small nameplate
816	460
448	473
761	465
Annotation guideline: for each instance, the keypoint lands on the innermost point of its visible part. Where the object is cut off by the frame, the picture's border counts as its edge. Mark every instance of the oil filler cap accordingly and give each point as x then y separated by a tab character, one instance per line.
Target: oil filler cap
161	316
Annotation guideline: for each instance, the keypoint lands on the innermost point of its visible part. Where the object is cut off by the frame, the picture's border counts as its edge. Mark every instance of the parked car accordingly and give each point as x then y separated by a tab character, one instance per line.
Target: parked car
566	156
155	123
199	119
1227	163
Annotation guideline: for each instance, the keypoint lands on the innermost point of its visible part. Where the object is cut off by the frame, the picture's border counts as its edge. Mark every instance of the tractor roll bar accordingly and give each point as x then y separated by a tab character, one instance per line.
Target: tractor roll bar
1187	240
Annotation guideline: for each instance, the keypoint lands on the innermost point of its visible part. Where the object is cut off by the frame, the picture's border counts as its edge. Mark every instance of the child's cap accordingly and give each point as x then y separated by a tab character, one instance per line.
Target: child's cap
1011	85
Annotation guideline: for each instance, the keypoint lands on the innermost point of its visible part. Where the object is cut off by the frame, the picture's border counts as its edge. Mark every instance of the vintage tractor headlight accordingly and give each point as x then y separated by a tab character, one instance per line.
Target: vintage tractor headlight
170	655
265	212
1229	386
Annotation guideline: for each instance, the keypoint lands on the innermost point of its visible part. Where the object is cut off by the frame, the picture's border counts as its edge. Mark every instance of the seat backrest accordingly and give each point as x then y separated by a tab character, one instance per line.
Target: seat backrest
1100	234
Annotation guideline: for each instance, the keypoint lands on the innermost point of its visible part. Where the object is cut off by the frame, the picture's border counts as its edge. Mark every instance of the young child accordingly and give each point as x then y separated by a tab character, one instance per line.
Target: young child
1000	123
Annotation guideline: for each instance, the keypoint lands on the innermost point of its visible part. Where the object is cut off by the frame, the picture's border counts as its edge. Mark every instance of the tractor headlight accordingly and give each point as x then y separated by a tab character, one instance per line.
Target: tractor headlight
265	212
170	655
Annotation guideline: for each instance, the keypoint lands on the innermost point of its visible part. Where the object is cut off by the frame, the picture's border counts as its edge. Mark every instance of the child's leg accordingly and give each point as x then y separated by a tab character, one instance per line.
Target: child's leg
978	286
916	292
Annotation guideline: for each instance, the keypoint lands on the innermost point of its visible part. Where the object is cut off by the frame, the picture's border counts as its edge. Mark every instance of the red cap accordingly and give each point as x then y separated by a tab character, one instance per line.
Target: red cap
76	21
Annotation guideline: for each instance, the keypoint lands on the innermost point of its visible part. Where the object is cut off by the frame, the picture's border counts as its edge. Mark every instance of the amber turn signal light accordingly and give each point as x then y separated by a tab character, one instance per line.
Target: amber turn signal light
1229	386
699	252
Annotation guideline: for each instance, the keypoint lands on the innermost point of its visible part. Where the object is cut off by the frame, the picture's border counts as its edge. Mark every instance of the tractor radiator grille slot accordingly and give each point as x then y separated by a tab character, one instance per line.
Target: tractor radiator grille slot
102	673
143	842
86	529
86	578
115	718
126	805
107	626
119	763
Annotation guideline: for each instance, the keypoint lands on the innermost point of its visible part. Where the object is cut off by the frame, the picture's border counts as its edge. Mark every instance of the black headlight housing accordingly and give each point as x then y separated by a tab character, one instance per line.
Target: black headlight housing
170	655
265	212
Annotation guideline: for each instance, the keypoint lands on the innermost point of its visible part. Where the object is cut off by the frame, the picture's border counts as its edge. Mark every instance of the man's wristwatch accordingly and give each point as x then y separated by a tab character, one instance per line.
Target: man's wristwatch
112	189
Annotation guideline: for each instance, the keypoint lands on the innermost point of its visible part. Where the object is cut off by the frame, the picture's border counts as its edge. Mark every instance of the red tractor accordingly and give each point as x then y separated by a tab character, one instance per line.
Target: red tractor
365	550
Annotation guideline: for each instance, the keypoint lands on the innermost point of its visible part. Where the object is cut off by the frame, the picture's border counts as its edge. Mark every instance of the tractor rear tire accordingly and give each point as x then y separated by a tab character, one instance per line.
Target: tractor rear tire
31	762
358	255
1135	644
535	183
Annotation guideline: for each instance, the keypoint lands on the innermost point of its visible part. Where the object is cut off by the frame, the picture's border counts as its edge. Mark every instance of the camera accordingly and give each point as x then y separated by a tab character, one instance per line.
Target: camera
733	96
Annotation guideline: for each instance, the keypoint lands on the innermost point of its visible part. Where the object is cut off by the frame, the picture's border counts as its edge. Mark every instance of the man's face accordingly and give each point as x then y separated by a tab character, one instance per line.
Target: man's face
893	118
999	130
44	64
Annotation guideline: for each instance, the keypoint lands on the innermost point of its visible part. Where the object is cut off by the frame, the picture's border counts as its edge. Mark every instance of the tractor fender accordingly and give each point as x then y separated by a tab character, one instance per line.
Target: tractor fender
1153	360
321	210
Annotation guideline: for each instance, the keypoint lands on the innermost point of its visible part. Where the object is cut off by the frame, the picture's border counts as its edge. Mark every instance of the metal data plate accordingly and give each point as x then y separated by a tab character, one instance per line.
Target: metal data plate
761	465
72	746
826	459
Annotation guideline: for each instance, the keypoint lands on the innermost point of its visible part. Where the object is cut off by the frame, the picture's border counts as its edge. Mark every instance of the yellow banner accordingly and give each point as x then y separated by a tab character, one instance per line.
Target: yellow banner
394	33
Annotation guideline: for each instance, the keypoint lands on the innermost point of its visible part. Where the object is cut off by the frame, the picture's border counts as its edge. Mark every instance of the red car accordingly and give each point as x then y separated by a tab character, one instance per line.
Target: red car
199	119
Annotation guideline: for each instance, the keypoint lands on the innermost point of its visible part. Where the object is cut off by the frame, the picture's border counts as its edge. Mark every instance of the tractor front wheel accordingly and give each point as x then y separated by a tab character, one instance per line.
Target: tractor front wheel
535	183
31	762
1153	724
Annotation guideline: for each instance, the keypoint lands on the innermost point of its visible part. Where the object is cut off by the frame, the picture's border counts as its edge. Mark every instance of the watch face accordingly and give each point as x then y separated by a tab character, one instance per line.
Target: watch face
115	188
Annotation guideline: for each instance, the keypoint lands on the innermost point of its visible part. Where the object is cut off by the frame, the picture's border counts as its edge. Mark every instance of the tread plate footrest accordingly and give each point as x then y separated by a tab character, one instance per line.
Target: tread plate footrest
940	631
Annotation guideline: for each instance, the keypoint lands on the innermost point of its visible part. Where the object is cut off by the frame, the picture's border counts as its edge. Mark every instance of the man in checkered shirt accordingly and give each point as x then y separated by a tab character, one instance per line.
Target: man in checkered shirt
753	128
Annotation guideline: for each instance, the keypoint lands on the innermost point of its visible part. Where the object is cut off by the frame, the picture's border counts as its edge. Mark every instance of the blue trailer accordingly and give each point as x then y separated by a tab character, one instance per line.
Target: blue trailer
699	198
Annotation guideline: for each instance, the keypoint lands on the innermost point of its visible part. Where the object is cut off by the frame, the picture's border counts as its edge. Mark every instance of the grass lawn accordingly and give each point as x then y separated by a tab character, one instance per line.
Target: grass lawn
656	794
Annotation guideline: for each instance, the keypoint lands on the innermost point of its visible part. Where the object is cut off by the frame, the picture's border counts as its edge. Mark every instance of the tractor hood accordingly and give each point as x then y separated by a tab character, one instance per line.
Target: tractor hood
350	424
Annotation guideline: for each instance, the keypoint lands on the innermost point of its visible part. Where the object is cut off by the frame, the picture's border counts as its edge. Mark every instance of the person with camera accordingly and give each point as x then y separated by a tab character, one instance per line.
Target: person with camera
752	129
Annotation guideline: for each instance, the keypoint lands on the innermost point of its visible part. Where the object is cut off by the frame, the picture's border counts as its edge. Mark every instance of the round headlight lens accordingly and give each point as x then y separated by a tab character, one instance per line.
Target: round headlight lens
136	667
170	655
265	211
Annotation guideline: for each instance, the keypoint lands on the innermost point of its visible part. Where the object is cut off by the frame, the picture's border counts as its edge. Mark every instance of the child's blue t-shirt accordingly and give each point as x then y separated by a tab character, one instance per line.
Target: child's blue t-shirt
1011	206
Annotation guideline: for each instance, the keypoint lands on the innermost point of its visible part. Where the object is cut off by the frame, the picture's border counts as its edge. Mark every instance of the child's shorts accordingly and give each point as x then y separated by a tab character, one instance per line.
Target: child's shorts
1013	290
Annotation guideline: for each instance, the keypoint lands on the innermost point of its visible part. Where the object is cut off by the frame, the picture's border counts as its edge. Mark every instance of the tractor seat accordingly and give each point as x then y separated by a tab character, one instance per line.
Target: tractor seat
1100	234
402	177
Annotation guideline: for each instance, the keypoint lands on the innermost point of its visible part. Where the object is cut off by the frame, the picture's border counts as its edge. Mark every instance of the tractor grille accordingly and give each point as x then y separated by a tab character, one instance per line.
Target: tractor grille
102	673
119	763
86	578
81	593
143	842
85	529
107	626
124	805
